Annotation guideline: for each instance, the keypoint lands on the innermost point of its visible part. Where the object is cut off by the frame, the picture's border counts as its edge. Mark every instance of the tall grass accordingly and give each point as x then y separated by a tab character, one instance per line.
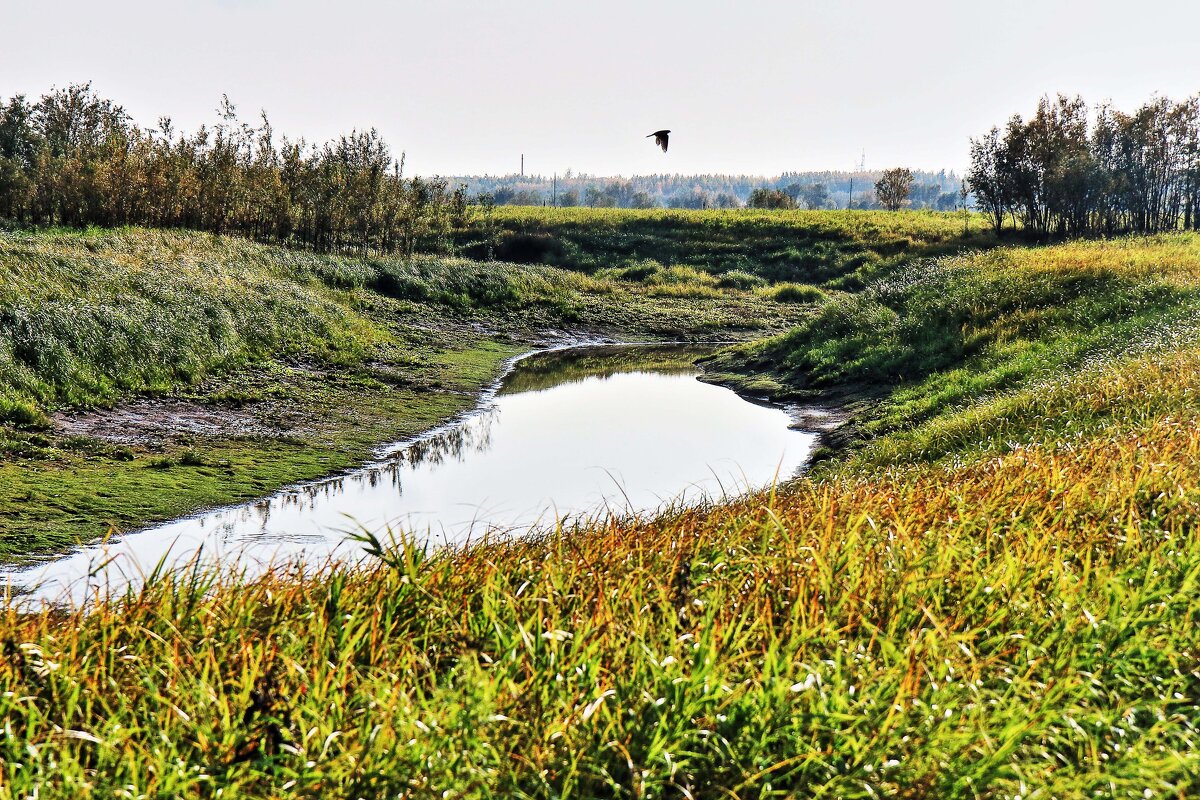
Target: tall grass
939	333
304	362
1021	624
85	318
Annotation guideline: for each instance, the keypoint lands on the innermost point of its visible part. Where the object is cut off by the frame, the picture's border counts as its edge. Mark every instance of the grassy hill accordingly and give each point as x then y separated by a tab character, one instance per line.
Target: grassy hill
993	593
933	339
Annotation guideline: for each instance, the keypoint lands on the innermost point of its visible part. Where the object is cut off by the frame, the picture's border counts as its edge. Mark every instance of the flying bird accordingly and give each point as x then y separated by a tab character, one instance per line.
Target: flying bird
660	139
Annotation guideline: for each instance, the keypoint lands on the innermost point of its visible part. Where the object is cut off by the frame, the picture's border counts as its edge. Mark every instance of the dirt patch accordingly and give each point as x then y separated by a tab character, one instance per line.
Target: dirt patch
154	422
818	419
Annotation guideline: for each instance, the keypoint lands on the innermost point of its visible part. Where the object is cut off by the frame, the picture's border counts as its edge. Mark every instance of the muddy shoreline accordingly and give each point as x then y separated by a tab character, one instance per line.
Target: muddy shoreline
155	422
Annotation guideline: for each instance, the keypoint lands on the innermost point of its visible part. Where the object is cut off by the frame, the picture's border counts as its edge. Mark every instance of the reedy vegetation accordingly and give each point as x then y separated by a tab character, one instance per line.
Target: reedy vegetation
835	247
87	318
998	597
990	319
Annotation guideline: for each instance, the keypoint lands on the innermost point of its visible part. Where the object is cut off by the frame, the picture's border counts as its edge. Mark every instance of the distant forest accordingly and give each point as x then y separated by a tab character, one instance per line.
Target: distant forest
813	190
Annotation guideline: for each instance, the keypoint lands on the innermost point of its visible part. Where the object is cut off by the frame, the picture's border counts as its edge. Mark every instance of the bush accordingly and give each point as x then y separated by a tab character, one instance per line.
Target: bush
23	414
390	282
193	458
770	198
737	279
795	293
639	271
521	247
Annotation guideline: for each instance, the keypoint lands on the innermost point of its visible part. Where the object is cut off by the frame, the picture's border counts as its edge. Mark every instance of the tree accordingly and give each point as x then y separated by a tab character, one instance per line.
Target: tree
727	200
642	200
692	198
894	187
597	198
984	177
74	158
770	198
1065	173
815	195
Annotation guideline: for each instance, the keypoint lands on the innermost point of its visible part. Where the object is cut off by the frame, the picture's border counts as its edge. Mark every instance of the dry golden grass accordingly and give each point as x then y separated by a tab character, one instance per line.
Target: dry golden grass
1023	622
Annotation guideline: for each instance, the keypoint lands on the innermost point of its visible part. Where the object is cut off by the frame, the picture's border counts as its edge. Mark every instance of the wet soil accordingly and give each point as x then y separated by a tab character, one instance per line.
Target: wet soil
153	423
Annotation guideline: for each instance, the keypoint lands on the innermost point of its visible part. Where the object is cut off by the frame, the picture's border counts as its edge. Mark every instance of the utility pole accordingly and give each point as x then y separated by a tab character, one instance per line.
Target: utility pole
859	167
522	165
555	194
962	193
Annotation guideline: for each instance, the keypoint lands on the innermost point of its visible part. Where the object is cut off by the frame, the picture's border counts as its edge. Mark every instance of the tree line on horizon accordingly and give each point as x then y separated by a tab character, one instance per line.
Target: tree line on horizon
814	190
73	158
1068	172
893	191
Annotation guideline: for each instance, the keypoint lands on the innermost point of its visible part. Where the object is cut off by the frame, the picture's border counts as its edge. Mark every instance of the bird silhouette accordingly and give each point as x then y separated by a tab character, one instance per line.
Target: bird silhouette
660	139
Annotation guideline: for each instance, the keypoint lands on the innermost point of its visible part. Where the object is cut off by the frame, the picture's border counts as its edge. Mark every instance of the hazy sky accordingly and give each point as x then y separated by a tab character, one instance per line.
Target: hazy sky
466	86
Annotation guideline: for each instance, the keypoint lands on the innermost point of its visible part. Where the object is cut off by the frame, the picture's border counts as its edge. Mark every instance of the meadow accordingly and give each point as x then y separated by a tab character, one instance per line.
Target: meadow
809	247
989	588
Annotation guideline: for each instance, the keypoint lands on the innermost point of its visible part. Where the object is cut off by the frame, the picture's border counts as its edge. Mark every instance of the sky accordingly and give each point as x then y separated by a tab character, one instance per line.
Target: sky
467	86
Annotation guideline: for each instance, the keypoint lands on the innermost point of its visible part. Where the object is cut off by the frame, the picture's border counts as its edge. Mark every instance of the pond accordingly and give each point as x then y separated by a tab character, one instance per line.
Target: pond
568	435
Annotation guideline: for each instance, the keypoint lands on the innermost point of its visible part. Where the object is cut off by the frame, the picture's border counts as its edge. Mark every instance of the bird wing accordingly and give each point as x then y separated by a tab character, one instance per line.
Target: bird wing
660	139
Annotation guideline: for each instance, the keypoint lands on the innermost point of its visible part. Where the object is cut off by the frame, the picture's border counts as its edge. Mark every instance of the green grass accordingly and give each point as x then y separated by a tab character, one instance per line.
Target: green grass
1021	624
939	334
72	493
840	248
552	369
85	318
994	594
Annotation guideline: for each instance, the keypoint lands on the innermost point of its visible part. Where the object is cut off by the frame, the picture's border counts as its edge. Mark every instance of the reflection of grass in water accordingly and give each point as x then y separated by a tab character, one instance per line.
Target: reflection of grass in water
547	370
472	436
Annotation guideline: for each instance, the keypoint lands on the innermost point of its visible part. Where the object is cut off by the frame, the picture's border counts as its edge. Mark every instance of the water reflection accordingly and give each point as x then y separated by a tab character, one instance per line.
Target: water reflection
571	365
569	435
472	436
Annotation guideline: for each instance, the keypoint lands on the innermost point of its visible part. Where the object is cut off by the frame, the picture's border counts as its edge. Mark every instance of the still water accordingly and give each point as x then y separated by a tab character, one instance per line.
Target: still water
568	435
